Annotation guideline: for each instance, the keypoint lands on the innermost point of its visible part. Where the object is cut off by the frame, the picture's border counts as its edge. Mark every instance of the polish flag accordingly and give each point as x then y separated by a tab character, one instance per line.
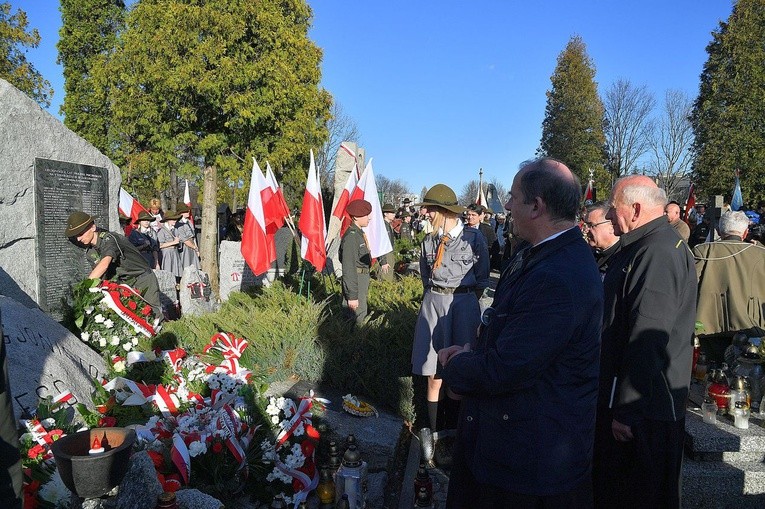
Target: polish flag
345	197
255	243
277	205
366	189
187	201
590	193
480	198
690	203
312	226
129	206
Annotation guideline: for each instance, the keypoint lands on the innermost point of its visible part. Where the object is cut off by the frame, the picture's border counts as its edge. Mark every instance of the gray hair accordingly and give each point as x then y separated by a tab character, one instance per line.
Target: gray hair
645	195
733	223
602	206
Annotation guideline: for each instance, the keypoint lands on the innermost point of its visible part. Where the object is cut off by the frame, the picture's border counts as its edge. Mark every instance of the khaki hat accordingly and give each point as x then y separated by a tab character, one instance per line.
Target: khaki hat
359	208
143	216
442	196
181	208
176	216
388	207
77	223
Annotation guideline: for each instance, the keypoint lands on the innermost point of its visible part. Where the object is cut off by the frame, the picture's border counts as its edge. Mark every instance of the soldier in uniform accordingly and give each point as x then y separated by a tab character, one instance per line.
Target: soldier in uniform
114	257
356	260
388	260
405	231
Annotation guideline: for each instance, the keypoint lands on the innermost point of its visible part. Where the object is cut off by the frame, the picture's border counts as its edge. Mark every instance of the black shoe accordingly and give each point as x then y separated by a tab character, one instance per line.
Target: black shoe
426	445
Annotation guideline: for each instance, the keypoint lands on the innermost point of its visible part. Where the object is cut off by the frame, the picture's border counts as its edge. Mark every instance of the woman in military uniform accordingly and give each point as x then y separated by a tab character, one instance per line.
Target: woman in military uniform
356	260
454	265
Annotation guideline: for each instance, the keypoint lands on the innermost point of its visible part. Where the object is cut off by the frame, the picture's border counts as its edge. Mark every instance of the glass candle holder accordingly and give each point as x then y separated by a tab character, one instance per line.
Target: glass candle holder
741	415
709	411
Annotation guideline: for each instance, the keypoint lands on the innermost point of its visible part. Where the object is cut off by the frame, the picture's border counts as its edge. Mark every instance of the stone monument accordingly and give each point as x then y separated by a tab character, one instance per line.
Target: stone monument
45	359
46	171
349	156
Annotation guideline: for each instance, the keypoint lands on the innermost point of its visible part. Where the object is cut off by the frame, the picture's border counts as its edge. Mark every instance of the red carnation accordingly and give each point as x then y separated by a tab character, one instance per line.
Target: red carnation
35	451
217	447
132	305
312	432
146	310
107	422
124	292
55	435
307	447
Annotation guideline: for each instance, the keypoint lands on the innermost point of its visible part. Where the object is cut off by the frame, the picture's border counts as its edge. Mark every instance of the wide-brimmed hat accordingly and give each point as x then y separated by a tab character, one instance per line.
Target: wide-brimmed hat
359	208
388	207
77	223
442	196
143	216
182	207
170	215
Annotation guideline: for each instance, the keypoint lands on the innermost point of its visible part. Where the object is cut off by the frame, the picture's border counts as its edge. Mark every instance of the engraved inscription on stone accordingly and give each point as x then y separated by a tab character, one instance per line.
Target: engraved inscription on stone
61	188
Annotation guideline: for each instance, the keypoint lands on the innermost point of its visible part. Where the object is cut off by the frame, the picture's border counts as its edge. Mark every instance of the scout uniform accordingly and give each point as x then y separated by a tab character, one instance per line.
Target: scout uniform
185	231
356	260
127	265
454	266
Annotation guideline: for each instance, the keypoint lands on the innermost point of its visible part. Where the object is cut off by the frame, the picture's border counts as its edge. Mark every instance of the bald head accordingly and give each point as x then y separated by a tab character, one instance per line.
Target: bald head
635	201
672	210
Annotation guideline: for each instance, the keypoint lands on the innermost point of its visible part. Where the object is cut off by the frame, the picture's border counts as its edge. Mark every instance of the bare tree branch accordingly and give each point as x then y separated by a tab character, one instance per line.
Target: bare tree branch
341	128
627	125
671	144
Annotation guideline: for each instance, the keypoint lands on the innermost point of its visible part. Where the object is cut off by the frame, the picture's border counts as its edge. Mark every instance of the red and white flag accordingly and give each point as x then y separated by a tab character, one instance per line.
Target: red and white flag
590	193
366	189
345	197
275	206
480	198
187	201
690	203
312	226
129	206
255	243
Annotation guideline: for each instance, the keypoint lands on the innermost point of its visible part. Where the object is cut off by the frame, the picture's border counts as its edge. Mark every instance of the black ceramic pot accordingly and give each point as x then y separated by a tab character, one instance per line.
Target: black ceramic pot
93	476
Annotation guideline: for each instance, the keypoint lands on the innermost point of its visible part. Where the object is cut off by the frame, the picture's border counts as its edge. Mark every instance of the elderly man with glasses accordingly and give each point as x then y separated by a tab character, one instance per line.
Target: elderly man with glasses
599	234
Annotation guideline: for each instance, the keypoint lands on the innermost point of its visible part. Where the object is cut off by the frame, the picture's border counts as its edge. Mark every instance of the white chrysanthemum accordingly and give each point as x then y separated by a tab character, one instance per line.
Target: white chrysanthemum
115	341
134	341
275	419
108	324
55	492
85	336
102	342
127	346
89	310
99	318
119	366
48	423
197	448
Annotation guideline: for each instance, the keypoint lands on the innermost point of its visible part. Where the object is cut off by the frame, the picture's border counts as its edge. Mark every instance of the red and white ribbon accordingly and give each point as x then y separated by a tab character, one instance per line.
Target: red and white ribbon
179	453
64	397
112	296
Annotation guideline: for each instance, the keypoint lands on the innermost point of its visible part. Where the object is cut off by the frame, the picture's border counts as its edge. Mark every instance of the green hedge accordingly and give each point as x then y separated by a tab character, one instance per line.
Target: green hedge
292	335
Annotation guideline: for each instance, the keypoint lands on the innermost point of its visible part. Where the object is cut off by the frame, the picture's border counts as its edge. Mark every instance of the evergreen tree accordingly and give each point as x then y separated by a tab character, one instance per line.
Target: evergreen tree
572	130
14	66
88	33
728	115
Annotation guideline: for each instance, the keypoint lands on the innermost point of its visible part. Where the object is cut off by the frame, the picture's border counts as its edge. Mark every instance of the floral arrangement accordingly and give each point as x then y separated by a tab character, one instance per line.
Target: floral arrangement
112	319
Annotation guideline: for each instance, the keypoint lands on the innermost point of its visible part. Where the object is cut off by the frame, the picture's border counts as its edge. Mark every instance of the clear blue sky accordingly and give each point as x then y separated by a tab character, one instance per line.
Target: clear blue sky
440	89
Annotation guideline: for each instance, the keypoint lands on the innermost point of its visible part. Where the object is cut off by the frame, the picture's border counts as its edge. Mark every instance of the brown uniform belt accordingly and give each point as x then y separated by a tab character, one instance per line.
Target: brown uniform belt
449	291
360	270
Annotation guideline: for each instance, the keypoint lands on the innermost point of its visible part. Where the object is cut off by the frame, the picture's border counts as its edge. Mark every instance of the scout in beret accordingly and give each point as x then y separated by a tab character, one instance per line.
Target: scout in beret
113	257
356	260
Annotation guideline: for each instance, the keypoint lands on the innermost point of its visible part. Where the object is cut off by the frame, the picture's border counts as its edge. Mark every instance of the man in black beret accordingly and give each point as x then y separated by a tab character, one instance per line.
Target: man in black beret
356	260
113	257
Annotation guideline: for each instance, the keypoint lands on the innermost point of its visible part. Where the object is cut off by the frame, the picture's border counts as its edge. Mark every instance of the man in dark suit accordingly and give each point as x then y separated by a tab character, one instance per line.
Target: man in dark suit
530	381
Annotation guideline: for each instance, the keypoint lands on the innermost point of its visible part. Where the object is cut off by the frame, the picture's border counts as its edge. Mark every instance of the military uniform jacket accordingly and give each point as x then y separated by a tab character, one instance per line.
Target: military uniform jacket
127	262
389	258
355	258
648	324
731	292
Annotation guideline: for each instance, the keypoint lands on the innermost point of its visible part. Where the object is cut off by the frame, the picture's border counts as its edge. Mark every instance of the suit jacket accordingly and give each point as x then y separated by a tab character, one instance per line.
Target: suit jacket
731	292
530	384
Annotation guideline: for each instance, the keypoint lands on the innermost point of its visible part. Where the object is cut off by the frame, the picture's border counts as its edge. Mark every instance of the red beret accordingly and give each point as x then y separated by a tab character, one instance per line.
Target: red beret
359	208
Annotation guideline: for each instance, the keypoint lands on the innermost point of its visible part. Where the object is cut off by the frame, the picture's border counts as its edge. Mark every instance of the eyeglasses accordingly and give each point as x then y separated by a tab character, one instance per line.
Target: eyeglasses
589	226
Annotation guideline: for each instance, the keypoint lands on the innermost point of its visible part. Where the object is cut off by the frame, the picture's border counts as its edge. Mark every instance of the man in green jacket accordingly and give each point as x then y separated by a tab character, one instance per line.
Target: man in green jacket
388	260
356	260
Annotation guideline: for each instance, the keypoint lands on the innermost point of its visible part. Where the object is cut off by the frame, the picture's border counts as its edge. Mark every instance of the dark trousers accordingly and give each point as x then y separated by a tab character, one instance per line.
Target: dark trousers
642	473
467	492
149	287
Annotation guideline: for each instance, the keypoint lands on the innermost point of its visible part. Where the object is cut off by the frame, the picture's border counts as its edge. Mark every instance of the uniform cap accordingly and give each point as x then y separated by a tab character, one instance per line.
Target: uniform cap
359	208
77	223
442	196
